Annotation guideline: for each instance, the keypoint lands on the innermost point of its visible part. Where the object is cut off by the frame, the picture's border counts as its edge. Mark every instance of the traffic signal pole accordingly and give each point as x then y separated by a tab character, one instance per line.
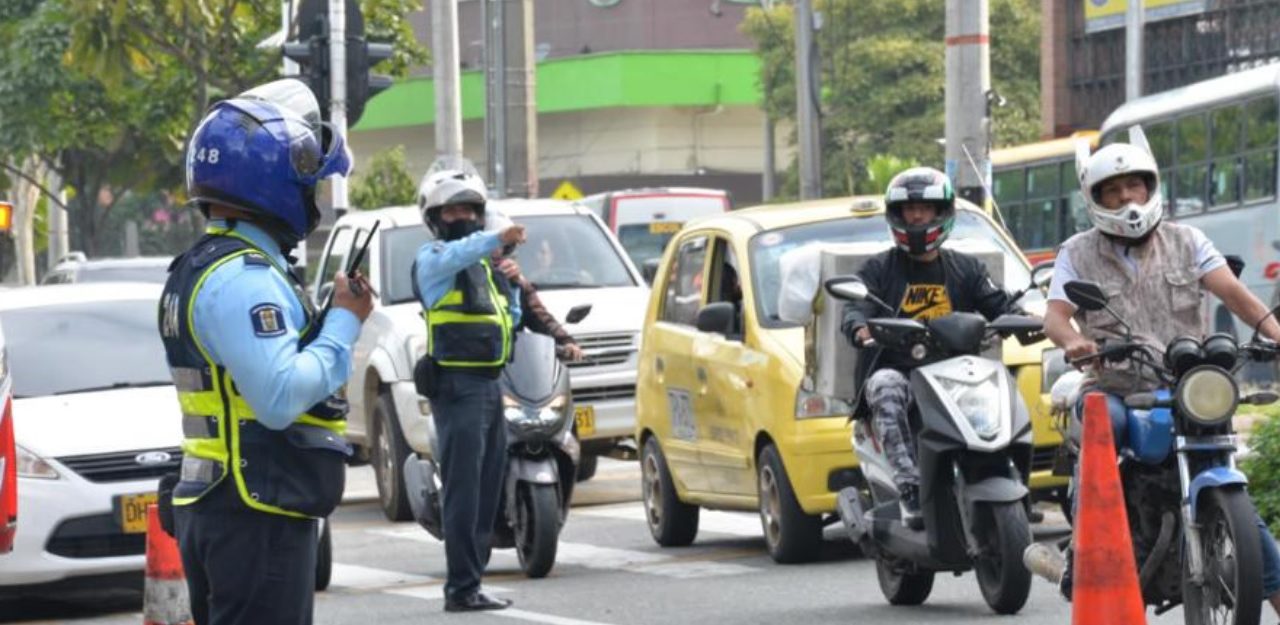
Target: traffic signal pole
338	89
968	99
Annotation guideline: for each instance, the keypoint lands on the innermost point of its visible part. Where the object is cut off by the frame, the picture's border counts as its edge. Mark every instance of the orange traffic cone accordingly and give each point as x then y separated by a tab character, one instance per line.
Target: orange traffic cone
1106	588
165	600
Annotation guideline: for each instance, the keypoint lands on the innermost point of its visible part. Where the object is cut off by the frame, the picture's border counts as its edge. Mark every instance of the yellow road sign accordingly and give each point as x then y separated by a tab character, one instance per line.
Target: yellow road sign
566	191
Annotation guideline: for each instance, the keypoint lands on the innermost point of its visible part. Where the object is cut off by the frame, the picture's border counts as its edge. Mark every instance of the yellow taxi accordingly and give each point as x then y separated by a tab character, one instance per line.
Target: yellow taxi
721	419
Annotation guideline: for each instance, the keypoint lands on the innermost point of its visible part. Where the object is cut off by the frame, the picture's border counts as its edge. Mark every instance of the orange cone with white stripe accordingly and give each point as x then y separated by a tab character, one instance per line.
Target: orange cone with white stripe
165	600
1106	588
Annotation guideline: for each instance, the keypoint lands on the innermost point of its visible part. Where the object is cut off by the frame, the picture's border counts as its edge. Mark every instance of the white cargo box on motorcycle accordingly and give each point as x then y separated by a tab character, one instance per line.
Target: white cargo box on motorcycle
830	362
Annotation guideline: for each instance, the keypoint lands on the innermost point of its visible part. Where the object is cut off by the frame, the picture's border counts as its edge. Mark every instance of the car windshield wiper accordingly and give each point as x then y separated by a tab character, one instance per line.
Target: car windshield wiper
117	385
547	286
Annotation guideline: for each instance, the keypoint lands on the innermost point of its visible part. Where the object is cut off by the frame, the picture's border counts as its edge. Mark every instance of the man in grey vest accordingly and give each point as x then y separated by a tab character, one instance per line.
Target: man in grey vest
1155	273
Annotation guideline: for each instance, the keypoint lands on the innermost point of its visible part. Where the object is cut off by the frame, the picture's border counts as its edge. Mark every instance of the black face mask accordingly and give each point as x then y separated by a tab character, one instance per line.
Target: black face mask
459	229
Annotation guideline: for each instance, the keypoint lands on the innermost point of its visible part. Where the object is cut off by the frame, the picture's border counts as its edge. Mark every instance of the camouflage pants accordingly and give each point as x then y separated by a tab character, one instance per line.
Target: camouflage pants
888	396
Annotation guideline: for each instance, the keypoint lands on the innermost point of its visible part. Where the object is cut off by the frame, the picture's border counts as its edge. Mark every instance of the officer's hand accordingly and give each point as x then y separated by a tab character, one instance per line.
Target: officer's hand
509	268
1079	348
573	353
343	296
512	235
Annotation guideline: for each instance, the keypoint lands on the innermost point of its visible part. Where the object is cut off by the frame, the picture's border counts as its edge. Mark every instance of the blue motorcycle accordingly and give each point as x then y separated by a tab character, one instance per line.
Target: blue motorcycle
1193	525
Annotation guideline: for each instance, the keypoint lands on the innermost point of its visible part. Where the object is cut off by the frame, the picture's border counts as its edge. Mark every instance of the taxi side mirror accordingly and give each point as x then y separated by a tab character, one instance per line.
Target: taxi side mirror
716	317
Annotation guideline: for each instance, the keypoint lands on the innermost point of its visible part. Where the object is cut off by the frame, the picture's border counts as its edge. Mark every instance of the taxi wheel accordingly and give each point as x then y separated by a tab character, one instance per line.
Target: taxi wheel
791	535
673	523
387	455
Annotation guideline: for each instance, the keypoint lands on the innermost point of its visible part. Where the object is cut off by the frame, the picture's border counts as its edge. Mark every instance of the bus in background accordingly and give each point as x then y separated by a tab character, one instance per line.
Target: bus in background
644	220
8	457
1215	142
1038	195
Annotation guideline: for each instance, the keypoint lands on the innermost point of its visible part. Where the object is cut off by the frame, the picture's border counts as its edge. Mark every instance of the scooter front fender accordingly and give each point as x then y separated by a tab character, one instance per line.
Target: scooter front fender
424	497
995	490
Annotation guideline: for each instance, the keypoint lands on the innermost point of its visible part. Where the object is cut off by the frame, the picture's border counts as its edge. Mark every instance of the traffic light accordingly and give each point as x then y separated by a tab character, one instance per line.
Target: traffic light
362	56
311	53
6	217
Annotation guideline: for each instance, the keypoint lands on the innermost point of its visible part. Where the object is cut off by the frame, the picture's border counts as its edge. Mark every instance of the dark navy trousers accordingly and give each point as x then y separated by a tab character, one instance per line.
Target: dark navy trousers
246	567
471	437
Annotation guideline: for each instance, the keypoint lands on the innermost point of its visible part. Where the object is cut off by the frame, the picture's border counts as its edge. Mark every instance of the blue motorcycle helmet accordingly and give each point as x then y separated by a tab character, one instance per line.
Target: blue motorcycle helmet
264	152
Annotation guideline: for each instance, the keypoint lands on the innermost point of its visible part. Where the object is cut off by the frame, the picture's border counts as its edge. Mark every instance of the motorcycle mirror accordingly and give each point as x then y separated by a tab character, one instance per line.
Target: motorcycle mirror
578	313
848	288
1261	398
1041	274
1235	263
1086	295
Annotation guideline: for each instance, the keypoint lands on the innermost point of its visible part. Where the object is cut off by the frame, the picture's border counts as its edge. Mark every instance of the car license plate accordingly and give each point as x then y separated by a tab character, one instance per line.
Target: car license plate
665	227
132	511
585	417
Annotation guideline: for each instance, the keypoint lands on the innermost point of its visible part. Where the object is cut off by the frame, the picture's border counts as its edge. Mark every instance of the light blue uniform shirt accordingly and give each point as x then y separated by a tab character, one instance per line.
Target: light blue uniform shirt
278	380
439	262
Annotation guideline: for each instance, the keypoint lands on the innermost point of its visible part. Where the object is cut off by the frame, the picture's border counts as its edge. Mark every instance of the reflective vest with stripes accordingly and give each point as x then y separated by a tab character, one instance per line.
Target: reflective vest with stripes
299	471
470	326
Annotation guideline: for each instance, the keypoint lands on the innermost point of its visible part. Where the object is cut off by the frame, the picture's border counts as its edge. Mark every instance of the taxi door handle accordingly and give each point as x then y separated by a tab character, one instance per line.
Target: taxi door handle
659	367
702	381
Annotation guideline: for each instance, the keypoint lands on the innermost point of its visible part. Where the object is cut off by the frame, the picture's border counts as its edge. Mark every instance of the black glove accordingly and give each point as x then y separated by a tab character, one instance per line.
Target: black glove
164	502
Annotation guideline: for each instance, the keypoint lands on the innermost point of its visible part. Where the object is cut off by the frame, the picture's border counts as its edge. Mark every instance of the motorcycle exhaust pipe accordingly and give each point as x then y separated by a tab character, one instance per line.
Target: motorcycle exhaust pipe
1045	561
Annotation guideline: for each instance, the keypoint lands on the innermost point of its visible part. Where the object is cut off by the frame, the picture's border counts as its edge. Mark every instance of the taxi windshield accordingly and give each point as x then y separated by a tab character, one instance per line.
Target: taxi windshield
80	347
767	248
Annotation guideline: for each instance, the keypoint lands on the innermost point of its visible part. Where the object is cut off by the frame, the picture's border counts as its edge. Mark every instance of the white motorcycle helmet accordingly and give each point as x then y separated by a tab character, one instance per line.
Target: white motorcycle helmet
1133	221
450	181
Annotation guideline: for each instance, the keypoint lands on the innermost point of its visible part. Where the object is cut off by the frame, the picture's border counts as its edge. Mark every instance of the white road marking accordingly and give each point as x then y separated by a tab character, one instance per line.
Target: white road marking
536	617
434	593
746	524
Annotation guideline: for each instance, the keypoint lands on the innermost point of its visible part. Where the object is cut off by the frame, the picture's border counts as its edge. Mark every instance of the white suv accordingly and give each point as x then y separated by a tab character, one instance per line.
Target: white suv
570	256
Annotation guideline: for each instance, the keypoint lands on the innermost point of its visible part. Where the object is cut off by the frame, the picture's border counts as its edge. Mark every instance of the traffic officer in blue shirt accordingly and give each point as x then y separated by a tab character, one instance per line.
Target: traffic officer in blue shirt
257	370
470	315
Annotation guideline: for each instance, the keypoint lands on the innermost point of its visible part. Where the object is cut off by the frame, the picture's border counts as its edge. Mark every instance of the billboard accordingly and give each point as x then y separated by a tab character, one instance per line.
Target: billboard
1100	15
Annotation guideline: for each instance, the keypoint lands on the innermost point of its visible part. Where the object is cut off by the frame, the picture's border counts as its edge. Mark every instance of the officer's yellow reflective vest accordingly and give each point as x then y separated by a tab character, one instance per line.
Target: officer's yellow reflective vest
297	472
470	326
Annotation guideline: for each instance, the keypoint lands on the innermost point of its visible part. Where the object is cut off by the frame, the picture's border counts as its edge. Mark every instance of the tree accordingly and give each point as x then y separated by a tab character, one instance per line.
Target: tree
387	182
106	92
882	74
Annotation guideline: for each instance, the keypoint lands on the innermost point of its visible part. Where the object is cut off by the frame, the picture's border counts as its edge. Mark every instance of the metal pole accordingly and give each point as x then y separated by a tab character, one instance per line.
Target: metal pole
495	122
338	88
444	49
57	223
809	130
287	66
521	133
1133	27
968	88
768	180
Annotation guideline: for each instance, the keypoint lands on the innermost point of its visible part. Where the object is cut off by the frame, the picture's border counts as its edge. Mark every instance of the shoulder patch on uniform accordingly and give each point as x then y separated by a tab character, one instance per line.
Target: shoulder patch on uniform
256	260
268	319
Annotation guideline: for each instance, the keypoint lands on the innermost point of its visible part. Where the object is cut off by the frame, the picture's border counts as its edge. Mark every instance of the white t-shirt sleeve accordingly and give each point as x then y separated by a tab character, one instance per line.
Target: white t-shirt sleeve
1063	273
1208	258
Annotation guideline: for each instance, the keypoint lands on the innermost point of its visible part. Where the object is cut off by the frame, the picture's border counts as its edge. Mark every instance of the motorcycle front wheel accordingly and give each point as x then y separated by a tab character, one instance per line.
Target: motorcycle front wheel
1004	581
1230	547
537	528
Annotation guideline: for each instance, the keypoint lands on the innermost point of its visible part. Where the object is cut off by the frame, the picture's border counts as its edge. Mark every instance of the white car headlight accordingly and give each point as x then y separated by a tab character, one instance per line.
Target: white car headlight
1207	395
810	405
31	465
979	403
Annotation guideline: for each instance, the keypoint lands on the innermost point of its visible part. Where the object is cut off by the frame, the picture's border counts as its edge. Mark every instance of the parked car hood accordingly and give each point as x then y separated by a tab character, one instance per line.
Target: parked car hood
98	422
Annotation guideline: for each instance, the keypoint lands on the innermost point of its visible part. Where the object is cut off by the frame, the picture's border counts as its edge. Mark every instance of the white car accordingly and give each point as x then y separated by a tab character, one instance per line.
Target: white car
97	423
569	255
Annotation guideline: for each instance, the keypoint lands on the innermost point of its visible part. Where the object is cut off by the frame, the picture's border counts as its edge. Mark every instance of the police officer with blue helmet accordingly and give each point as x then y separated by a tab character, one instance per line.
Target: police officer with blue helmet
258	371
470	312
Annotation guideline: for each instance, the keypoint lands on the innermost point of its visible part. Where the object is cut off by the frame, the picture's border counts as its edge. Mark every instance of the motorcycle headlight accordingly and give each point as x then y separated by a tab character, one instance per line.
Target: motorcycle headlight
550	417
31	465
979	402
1207	395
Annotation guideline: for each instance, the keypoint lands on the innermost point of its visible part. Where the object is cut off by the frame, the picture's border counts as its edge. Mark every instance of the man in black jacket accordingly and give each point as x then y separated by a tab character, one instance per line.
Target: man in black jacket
923	281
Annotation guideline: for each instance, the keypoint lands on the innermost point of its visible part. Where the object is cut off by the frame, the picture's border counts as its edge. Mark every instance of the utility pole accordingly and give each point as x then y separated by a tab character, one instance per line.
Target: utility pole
807	117
444	50
288	67
57	223
1133	27
338	89
511	123
769	180
968	89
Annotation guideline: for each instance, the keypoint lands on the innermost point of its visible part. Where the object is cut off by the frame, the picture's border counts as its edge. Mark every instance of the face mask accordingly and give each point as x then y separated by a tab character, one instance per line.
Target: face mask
460	229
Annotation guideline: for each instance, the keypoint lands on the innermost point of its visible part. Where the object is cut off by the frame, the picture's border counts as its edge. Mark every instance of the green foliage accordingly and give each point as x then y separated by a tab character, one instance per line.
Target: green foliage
882	75
881	168
386	182
1263	467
